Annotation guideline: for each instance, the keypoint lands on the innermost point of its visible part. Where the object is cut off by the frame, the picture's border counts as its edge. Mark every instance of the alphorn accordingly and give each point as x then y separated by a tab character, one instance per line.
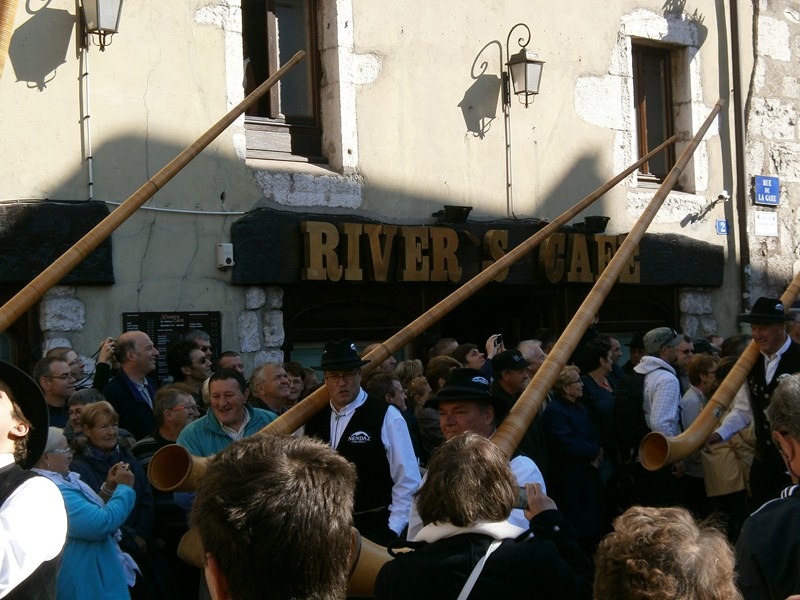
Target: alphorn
657	450
173	469
371	557
33	292
516	423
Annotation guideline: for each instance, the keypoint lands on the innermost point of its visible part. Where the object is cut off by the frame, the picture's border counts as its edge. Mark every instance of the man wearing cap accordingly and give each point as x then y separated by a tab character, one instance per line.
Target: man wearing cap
510	380
373	435
779	355
466	403
662	397
33	520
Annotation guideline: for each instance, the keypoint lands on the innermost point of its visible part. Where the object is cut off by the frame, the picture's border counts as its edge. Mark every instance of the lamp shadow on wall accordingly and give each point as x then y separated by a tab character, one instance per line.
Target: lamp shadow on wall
481	99
39	46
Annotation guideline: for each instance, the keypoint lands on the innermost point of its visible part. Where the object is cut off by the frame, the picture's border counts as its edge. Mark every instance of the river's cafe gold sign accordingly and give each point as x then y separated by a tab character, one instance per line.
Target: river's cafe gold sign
379	252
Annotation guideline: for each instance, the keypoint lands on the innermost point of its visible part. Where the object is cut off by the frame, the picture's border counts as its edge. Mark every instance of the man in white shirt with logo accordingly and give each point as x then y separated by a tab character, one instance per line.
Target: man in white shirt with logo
373	435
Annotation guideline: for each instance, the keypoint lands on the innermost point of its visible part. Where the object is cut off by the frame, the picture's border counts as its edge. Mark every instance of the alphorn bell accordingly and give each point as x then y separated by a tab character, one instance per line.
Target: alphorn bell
171	470
657	450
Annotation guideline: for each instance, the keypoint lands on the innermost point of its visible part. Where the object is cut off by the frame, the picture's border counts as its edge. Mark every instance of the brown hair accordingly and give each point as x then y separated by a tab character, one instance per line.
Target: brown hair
698	365
276	513
20	444
440	367
657	553
468	479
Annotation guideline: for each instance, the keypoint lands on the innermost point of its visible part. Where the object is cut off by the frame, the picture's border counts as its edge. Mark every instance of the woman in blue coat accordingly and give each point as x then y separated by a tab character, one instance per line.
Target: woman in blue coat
576	455
92	566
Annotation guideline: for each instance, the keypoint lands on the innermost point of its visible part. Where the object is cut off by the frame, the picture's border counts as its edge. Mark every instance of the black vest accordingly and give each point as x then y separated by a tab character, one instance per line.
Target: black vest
361	444
41	584
760	394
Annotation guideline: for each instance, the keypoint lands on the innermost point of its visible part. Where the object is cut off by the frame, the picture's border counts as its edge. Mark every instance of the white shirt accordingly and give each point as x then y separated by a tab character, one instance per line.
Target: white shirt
33	529
739	417
525	471
399	452
771	362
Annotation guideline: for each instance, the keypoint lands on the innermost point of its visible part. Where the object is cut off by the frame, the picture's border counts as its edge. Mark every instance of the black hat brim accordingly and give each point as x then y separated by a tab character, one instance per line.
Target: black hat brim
29	397
763	319
500	409
341	365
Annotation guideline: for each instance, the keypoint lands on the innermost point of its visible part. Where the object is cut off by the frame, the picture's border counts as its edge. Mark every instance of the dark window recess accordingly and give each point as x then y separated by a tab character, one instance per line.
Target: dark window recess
285	124
654	108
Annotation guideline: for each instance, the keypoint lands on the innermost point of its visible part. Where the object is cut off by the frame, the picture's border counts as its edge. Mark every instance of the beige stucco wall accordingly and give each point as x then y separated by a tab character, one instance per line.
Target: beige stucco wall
400	148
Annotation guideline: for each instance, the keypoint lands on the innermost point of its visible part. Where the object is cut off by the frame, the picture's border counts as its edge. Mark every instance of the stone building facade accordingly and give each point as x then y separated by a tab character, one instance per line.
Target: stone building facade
397	113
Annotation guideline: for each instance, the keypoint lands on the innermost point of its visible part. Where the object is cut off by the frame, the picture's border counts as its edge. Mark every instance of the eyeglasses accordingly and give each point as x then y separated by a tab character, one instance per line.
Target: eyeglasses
192	408
337	377
60	451
64	377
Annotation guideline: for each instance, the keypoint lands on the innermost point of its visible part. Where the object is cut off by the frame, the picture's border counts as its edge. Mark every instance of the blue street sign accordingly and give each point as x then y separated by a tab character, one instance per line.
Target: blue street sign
768	190
722	227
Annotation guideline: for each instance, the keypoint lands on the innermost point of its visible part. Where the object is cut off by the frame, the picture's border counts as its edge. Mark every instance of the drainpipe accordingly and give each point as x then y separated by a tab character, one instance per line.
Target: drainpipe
742	203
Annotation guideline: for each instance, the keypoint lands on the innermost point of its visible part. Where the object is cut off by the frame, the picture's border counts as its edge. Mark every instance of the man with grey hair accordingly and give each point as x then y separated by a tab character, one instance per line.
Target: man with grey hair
269	386
768	550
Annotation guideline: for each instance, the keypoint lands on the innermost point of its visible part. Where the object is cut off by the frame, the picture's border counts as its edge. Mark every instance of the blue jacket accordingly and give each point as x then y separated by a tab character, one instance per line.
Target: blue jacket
205	436
93	466
90	567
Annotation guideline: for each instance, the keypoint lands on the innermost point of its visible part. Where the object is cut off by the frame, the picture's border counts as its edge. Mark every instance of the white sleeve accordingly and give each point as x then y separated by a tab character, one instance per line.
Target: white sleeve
525	471
403	467
414	520
739	417
33	529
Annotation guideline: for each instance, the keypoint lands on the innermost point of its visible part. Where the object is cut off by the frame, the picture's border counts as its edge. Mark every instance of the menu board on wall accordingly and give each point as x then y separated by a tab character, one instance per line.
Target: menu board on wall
167	327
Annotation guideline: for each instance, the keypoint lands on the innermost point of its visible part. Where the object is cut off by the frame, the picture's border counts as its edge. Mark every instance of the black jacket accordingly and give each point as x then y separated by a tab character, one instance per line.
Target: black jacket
547	565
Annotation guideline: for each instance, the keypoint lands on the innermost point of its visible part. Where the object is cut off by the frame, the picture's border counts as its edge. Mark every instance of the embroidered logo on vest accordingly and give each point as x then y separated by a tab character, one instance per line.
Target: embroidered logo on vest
359	437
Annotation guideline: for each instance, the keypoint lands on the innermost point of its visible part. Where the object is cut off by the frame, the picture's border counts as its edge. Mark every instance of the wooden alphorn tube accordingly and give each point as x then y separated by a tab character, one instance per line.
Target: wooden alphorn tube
299	415
169	468
8	13
514	426
657	450
33	292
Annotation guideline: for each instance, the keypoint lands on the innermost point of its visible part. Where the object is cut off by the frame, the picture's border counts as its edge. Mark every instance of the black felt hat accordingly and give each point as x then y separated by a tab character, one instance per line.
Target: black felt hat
29	397
340	356
468	384
766	311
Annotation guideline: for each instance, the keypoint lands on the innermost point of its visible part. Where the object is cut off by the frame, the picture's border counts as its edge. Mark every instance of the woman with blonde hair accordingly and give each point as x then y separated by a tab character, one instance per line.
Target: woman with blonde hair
93	565
576	456
659	553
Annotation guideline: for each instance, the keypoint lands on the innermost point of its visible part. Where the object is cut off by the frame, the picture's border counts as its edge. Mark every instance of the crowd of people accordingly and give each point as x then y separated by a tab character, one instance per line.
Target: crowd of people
402	453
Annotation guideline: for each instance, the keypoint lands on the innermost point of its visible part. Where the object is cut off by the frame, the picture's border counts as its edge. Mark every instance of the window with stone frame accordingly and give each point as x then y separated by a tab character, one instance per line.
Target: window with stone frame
653	70
286	123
